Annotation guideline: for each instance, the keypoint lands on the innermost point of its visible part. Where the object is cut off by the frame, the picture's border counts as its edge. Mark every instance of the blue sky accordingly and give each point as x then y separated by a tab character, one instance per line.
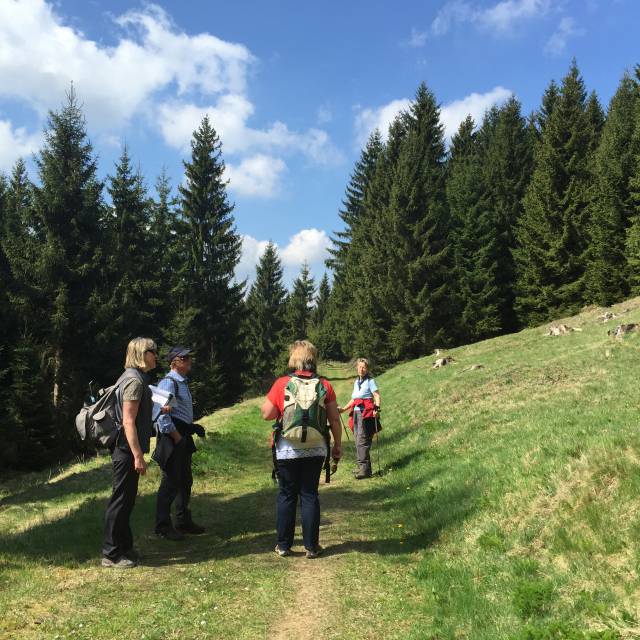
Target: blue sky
293	88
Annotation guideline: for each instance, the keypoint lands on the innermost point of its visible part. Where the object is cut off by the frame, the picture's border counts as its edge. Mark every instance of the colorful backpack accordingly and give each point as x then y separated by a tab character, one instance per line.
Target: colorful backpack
304	419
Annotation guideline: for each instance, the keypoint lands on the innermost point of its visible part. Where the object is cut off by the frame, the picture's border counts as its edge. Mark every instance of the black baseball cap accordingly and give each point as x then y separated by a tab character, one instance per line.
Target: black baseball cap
177	352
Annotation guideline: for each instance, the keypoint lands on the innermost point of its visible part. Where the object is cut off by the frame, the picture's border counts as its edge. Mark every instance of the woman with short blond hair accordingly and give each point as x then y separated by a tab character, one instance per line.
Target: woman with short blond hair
131	442
301	403
363	417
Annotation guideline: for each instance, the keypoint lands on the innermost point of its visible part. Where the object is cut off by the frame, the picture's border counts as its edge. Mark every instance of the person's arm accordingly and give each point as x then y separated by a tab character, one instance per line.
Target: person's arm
334	422
164	421
129	412
346	407
376	398
269	410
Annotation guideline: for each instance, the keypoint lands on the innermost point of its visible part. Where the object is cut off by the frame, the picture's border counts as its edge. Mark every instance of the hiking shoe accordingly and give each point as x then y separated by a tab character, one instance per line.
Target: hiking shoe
283	553
314	553
122	563
361	475
170	534
192	528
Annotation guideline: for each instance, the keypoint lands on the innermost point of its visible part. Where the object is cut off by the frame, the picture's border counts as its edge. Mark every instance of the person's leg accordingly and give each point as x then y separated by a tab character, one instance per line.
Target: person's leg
288	481
310	471
118	538
183	514
363	445
168	490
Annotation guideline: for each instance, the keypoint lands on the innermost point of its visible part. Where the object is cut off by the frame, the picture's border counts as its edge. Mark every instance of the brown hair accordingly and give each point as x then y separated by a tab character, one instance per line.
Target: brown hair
303	356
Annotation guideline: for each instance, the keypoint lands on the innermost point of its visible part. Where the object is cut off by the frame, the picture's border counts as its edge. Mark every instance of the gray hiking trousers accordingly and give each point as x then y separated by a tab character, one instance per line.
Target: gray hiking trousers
364	436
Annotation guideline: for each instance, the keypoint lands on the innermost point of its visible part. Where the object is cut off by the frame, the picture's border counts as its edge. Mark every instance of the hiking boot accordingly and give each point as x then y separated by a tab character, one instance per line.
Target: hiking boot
361	475
170	534
283	553
192	528
314	553
122	563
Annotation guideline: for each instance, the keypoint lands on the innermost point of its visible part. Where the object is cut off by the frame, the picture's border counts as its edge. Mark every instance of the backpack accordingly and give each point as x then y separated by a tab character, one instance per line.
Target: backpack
97	424
304	419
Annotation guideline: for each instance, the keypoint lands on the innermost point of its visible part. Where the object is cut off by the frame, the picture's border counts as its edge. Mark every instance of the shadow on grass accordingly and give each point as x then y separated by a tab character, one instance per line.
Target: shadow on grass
243	524
75	483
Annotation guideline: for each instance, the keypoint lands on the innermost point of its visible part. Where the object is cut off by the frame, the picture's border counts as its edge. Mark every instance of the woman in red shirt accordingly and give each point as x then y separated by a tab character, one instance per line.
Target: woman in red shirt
300	458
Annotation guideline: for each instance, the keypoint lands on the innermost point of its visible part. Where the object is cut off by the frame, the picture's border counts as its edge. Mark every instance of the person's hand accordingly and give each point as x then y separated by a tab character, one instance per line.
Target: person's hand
198	429
336	452
166	409
175	436
139	464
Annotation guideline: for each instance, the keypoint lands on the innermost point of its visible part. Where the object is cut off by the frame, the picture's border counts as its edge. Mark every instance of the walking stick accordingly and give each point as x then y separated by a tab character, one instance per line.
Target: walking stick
378	430
346	431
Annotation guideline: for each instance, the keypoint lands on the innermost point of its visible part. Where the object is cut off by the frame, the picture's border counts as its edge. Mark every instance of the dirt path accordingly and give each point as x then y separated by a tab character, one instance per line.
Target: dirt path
314	604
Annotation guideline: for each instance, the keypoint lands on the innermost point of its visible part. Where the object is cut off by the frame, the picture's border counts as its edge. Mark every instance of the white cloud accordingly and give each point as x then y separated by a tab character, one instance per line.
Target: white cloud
155	73
501	18
475	105
567	29
417	39
16	143
256	176
252	249
370	118
451	114
310	245
40	56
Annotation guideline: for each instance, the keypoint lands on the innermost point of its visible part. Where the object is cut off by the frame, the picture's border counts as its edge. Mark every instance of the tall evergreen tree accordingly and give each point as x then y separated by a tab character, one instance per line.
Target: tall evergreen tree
611	205
475	234
325	321
507	161
632	243
366	315
423	293
68	211
552	232
135	287
265	320
208	301
299	305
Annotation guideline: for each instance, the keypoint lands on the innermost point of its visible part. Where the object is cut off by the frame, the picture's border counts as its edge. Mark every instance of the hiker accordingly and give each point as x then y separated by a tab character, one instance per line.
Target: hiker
363	417
174	450
130	443
301	402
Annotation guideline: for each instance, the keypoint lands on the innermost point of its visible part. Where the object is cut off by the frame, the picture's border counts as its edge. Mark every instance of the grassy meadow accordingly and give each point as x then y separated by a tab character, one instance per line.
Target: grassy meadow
508	507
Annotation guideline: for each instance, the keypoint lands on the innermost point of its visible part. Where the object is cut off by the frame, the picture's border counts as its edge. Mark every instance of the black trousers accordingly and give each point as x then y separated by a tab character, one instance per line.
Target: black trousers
299	478
176	483
118	538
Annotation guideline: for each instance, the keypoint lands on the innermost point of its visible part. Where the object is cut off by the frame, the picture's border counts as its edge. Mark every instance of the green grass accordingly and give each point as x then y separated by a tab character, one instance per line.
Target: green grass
508	508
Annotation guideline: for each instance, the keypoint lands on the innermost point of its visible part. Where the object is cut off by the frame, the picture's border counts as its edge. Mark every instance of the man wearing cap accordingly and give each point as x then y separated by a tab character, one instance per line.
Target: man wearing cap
178	426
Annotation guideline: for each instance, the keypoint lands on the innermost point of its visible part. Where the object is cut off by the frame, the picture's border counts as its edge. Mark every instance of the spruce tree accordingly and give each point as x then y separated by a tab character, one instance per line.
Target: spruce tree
553	230
299	305
208	312
632	242
135	288
423	295
611	206
474	236
371	275
265	320
507	160
325	321
68	209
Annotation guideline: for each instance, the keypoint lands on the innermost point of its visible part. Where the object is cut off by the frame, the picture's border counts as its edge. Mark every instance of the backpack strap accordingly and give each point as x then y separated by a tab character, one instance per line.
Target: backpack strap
176	386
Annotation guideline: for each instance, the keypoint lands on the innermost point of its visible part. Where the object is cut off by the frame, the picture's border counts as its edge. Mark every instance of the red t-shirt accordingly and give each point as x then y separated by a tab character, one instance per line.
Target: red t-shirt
276	394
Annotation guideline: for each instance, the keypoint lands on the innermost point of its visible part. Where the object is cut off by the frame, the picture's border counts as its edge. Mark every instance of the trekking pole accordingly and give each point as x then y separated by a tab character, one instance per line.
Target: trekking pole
378	430
346	431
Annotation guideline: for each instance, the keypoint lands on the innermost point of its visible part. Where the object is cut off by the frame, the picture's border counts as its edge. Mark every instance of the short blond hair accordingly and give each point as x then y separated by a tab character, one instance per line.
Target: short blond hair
303	356
363	361
136	350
